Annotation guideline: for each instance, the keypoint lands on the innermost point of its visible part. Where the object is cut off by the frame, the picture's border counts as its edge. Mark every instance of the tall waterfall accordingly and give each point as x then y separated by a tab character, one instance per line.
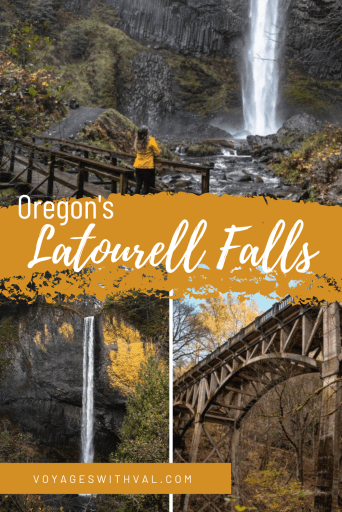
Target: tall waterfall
87	433
261	80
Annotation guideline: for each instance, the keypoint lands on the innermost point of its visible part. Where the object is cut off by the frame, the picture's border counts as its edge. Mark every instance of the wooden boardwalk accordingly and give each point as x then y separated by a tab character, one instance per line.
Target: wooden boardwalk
64	182
55	169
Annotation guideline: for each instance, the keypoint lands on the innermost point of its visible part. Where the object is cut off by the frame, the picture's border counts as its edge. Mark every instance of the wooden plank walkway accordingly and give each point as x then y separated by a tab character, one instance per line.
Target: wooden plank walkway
64	183
67	173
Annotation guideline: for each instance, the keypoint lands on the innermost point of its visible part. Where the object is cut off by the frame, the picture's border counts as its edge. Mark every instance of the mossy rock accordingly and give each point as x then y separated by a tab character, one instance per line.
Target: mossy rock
8	196
113	130
198	150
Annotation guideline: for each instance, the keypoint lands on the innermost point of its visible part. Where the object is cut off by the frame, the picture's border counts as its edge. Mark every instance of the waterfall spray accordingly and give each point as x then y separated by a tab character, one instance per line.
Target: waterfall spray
87	432
261	81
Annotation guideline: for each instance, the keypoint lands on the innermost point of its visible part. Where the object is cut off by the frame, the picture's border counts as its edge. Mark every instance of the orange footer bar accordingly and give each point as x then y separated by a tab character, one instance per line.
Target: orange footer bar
115	478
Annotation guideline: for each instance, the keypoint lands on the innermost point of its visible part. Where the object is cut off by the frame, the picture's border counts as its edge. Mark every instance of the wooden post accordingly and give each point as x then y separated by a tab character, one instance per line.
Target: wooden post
45	154
51	174
30	166
329	445
80	181
123	183
11	169
114	162
1	151
205	181
86	174
114	187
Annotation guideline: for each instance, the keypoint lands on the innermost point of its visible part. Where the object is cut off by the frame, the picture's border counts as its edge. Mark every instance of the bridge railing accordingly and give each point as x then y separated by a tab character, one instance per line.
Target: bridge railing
256	324
109	171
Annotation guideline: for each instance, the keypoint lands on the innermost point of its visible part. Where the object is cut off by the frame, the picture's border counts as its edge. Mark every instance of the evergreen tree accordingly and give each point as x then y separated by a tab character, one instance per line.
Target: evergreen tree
145	431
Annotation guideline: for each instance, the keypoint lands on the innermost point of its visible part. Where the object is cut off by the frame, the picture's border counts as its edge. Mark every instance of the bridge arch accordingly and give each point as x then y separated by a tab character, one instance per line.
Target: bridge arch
287	341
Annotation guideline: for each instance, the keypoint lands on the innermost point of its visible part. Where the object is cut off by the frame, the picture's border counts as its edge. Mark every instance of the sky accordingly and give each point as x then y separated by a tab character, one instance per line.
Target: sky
264	303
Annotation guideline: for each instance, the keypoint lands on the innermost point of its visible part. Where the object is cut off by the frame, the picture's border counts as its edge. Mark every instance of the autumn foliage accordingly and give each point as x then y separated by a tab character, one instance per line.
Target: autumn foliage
198	330
30	98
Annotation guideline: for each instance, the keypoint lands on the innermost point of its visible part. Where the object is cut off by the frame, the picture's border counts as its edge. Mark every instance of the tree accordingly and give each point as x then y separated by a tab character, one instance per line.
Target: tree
30	95
270	491
145	430
197	331
42	14
187	330
222	317
149	313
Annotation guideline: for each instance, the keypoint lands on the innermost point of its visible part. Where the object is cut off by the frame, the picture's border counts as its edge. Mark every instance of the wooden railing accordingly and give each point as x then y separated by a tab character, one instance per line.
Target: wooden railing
54	154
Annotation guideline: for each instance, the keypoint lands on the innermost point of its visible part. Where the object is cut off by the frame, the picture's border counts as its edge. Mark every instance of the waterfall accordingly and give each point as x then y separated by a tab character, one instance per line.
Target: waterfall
261	80
87	432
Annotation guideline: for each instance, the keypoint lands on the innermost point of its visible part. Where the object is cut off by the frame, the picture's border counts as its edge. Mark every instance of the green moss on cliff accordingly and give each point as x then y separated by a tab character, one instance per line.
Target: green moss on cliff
96	58
316	97
206	84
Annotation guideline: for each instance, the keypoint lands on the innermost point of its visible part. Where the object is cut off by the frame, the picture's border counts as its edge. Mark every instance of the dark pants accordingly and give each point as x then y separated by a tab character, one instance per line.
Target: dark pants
146	177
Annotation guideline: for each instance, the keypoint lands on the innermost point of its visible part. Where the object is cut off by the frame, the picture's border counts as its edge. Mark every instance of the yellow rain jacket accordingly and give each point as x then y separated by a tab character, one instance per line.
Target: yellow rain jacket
145	159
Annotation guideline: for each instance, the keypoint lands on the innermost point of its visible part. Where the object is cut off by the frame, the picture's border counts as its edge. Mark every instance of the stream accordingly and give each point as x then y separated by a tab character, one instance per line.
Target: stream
233	174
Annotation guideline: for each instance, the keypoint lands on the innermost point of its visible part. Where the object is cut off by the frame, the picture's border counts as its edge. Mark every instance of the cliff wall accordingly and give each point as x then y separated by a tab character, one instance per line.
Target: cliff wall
197	27
42	371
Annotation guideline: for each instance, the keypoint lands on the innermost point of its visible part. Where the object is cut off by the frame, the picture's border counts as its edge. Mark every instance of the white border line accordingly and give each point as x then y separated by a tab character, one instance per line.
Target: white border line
171	389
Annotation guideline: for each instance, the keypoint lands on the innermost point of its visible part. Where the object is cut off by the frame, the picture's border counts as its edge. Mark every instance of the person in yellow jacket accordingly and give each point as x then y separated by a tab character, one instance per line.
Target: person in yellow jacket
147	149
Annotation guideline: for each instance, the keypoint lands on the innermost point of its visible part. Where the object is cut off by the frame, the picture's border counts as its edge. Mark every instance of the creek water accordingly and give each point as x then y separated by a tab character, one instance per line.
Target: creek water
233	174
261	75
87	425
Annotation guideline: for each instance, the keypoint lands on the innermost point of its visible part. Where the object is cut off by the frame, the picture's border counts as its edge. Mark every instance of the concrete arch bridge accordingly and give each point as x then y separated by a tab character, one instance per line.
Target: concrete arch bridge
286	341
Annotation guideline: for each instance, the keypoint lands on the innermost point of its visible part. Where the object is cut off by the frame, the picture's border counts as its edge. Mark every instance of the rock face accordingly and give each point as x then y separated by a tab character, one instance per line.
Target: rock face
41	387
313	36
151	99
211	27
203	27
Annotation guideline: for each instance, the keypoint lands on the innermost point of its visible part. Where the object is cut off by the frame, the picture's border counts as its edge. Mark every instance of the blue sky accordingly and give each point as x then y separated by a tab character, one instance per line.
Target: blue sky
264	303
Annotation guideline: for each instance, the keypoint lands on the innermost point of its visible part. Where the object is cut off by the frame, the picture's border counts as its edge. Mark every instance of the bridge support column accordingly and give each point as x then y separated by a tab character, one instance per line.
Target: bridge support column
235	467
329	446
196	437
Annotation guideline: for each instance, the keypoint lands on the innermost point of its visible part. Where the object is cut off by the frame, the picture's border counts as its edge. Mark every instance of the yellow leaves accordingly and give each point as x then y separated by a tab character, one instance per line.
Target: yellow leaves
222	317
128	355
67	331
38	341
45	84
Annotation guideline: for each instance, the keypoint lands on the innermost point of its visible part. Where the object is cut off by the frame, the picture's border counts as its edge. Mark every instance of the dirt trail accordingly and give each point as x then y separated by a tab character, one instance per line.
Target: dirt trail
75	120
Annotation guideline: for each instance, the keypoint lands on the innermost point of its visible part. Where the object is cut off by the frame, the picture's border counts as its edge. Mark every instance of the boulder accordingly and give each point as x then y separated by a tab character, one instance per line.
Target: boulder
229	144
238	176
303	124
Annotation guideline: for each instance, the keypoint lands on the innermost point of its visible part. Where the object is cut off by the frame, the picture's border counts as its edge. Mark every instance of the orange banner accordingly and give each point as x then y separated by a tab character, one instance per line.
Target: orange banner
179	242
115	478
